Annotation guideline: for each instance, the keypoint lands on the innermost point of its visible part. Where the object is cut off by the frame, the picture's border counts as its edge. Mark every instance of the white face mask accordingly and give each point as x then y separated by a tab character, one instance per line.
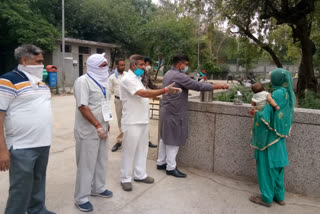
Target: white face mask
35	70
103	72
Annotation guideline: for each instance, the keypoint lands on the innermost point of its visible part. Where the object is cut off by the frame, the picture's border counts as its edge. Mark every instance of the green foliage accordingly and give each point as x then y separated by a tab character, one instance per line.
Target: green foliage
315	35
280	39
139	26
166	35
311	100
20	25
262	23
249	53
230	95
210	67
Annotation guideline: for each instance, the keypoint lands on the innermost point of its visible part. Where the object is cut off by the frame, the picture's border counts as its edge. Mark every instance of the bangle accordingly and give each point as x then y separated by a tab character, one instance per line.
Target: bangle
164	90
97	125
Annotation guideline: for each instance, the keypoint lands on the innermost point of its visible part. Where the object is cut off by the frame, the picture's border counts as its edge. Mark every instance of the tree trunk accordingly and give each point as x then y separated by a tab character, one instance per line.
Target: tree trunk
156	75
260	44
306	78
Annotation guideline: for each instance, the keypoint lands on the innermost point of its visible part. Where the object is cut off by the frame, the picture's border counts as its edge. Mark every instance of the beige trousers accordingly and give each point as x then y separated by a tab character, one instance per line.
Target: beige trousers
118	106
91	158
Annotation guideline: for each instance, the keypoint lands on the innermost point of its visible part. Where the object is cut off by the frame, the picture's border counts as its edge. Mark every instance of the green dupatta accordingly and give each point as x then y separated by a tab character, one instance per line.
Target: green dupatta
270	125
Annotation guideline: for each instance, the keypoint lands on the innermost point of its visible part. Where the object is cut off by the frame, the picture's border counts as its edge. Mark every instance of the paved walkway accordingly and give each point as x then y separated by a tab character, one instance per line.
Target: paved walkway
199	193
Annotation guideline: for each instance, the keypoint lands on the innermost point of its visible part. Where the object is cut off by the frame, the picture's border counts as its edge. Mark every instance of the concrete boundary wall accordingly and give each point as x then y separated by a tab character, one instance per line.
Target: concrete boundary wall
219	139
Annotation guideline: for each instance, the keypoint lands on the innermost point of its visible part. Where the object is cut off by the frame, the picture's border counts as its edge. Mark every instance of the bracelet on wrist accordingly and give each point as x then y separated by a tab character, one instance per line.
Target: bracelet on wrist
98	126
164	90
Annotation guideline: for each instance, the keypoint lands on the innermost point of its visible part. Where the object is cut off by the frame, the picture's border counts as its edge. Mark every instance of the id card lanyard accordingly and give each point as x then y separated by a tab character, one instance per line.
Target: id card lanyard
102	88
105	103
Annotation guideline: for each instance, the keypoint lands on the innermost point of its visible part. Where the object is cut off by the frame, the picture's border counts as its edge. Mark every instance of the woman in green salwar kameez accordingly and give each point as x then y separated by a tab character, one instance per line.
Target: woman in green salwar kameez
270	128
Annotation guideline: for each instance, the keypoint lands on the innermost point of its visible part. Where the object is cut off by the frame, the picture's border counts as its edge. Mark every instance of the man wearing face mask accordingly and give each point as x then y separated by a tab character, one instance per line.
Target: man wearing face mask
134	123
25	112
174	114
90	130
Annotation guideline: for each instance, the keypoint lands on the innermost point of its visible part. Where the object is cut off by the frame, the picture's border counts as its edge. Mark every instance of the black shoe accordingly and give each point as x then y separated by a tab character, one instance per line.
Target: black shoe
151	145
116	147
162	167
176	173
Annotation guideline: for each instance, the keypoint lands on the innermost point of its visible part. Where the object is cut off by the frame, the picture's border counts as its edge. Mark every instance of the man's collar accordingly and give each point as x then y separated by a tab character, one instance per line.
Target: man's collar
175	69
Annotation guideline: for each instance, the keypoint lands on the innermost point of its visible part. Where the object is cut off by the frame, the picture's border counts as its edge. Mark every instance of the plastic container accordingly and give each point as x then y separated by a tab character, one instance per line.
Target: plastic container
44	75
53	75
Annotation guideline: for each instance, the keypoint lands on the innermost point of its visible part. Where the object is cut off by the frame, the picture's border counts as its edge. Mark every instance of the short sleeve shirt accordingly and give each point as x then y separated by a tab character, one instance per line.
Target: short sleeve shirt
135	108
260	99
28	114
88	93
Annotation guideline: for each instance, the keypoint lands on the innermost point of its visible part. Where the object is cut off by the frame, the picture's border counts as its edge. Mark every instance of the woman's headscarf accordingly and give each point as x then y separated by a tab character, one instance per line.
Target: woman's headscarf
98	74
269	124
281	78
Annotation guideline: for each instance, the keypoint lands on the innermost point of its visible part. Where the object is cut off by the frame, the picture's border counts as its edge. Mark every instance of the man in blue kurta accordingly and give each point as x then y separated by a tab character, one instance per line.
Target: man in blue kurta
174	114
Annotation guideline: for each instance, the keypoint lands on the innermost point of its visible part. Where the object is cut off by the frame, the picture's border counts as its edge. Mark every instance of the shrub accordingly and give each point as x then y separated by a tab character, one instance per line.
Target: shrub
311	100
231	94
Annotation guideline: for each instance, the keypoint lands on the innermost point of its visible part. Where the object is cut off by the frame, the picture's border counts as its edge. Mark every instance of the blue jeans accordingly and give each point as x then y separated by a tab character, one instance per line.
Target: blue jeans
27	175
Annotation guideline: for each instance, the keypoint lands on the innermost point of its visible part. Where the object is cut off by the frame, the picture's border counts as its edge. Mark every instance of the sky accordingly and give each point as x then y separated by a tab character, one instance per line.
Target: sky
155	1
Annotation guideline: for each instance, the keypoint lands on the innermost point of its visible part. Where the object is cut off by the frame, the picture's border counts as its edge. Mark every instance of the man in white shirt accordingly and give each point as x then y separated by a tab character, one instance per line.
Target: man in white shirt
25	112
114	88
93	112
134	123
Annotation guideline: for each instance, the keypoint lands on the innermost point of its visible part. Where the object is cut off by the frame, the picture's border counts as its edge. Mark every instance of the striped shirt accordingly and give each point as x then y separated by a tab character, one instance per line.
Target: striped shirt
28	116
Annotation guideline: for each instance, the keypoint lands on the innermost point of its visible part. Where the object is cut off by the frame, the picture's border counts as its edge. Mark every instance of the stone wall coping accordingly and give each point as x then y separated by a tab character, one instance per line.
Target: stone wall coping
301	115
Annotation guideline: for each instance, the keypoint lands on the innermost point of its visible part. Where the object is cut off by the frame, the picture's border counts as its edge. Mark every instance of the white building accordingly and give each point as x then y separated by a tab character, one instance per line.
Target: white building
76	54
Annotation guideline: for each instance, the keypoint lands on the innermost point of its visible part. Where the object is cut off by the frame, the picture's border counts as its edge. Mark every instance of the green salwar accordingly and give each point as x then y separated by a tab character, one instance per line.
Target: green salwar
271	178
270	129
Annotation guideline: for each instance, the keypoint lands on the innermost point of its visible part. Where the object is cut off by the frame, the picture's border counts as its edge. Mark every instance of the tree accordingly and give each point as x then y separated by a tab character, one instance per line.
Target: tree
248	54
256	19
168	34
20	25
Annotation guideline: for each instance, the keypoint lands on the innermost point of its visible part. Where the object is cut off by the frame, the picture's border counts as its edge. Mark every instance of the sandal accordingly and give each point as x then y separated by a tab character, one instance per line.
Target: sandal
282	203
258	200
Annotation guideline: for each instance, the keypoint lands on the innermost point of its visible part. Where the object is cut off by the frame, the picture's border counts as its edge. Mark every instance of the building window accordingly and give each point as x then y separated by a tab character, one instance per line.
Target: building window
100	50
67	48
84	50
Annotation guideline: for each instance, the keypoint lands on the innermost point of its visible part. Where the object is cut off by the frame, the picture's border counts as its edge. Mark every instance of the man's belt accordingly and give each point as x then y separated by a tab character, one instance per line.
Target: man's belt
116	97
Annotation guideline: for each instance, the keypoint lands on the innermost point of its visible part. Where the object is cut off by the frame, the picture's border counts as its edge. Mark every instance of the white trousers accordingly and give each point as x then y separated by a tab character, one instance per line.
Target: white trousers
134	152
167	154
91	157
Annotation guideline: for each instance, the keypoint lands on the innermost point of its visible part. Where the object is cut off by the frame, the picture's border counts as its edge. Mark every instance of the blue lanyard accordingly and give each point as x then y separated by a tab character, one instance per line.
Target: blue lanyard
102	88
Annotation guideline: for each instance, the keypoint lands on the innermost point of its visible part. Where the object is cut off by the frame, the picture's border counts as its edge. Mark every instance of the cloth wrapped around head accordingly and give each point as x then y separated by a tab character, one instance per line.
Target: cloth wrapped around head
269	124
281	78
100	74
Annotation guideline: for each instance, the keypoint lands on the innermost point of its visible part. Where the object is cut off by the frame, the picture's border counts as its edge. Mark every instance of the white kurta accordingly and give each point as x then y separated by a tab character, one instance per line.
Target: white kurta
91	151
135	119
